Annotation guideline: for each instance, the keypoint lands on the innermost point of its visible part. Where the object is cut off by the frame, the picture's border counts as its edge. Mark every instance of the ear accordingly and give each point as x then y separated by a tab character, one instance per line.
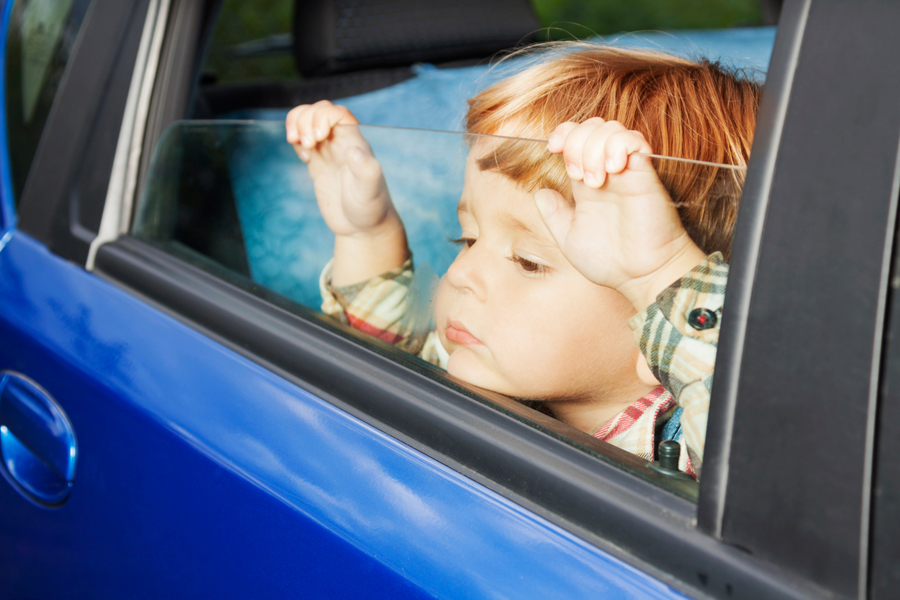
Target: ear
644	373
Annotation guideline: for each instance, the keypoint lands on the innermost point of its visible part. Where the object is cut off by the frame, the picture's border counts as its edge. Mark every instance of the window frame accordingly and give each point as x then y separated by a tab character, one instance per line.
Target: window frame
698	549
766	341
884	545
65	191
7	202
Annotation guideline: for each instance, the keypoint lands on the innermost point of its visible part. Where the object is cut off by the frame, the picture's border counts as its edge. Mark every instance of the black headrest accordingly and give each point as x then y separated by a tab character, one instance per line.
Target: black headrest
334	36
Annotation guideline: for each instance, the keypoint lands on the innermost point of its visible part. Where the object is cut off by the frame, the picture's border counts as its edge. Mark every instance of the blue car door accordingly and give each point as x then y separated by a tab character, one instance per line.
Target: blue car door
170	427
144	458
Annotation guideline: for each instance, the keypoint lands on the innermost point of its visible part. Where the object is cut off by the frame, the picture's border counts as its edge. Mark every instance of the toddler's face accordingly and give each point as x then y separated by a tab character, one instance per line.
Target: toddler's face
515	316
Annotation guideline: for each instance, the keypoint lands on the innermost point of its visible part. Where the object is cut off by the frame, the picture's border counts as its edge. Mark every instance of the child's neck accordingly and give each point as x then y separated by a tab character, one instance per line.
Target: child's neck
588	415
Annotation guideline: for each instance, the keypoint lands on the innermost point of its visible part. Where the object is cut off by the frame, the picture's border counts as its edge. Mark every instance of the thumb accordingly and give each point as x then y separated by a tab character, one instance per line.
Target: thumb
556	212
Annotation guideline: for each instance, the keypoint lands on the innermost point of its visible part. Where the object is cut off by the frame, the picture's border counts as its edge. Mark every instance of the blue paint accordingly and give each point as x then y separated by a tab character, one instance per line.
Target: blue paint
201	471
7	206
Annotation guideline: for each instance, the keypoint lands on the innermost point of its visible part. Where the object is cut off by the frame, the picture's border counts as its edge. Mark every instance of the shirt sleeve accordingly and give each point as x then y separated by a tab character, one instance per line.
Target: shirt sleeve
679	335
380	307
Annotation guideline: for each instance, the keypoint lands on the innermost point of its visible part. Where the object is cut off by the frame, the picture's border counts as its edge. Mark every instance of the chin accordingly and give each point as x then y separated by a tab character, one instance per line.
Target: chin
464	364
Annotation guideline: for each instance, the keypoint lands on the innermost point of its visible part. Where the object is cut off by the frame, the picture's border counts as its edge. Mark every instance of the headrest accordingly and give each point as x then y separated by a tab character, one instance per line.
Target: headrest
334	36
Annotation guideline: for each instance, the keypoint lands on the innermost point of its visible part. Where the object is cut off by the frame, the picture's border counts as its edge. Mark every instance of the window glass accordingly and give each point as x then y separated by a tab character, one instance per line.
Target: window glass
235	195
252	61
42	35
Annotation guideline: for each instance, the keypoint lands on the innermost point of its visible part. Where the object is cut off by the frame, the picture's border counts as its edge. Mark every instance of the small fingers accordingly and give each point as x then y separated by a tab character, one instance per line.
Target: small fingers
309	124
327	117
595	153
574	146
596	148
619	148
299	126
290	124
557	141
293	131
591	149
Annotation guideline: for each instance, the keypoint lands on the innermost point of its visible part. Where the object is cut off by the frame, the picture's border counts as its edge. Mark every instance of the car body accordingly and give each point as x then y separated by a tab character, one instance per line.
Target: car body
213	440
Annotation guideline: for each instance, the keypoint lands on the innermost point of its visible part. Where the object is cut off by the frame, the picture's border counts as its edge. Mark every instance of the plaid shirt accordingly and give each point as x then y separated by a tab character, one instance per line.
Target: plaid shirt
681	357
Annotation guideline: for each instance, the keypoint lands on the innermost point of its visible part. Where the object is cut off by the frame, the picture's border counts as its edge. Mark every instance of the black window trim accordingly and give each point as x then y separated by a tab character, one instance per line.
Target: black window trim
884	543
800	350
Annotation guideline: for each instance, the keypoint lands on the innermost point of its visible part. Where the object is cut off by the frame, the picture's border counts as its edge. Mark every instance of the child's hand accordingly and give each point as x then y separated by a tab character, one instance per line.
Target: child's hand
350	190
623	231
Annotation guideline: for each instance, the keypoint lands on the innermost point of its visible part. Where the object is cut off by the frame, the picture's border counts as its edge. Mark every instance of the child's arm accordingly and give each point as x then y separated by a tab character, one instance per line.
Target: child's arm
367	285
625	233
351	192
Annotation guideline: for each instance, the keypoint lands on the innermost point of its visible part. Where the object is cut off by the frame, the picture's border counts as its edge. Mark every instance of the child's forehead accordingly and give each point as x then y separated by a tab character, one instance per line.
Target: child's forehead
486	191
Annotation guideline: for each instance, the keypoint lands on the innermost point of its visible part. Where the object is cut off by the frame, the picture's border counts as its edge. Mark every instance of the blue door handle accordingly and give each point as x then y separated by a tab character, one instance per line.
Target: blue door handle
37	442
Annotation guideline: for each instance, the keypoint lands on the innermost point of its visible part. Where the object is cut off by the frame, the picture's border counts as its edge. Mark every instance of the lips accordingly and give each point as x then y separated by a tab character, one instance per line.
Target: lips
456	332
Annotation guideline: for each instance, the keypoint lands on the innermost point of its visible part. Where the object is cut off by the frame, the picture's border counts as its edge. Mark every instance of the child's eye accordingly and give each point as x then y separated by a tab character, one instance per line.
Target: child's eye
462	240
529	266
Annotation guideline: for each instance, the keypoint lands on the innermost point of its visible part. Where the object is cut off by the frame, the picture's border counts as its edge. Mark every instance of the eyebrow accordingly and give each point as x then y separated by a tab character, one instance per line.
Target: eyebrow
543	240
546	241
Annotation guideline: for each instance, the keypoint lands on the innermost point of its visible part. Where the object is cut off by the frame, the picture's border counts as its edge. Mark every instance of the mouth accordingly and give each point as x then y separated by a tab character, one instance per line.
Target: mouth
456	332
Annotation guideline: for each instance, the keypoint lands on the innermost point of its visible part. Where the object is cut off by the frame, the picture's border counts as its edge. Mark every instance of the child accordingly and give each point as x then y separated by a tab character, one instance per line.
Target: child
561	261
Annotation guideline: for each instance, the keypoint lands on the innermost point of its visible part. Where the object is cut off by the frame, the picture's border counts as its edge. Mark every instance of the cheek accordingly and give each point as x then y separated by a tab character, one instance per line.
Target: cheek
597	321
563	340
533	336
442	302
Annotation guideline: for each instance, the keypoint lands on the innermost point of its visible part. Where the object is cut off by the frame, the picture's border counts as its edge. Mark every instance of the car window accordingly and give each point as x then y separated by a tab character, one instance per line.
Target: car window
41	37
225	192
234	195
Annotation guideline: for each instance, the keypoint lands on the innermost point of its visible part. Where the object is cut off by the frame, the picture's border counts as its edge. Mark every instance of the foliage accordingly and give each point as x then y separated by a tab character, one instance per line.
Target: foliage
575	18
240	22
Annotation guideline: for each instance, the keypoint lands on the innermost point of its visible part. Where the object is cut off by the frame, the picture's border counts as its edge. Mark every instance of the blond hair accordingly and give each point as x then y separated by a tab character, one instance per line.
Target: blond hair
686	109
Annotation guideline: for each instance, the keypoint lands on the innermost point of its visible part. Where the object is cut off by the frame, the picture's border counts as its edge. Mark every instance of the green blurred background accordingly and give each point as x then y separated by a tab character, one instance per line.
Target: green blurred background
241	21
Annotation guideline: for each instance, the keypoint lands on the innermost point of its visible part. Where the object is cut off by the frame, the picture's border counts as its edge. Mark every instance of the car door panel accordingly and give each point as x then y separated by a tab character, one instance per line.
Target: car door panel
197	465
212	462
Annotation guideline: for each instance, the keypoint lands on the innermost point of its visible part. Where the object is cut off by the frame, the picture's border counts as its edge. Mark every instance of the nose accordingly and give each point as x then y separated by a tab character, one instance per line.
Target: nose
467	273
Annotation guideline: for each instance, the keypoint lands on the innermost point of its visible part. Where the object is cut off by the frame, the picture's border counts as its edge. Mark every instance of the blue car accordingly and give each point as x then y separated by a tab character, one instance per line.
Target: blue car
177	418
